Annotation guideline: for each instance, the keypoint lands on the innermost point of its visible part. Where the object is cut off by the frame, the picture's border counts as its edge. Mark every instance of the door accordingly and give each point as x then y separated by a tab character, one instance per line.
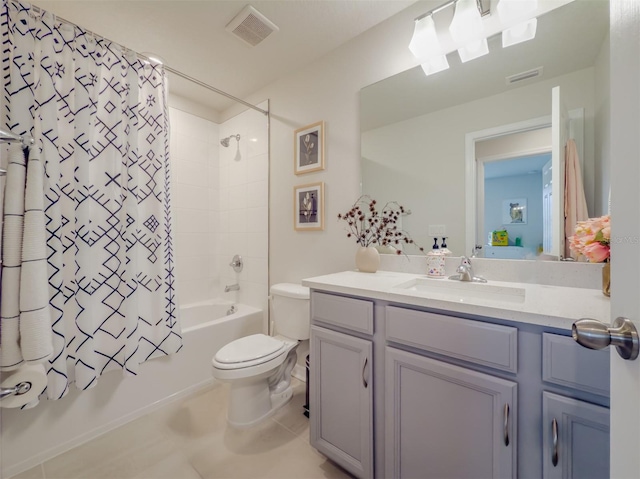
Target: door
445	421
341	399
625	246
559	135
576	438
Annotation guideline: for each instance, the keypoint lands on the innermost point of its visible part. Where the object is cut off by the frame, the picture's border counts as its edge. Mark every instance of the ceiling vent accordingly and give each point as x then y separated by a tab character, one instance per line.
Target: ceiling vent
251	26
528	75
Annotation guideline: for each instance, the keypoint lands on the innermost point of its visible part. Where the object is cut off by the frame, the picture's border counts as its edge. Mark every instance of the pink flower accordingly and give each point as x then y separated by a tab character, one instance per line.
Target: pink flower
596	252
592	238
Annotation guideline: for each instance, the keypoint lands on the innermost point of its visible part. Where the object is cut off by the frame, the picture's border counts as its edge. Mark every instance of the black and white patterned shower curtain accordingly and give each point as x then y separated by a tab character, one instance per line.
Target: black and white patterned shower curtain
99	116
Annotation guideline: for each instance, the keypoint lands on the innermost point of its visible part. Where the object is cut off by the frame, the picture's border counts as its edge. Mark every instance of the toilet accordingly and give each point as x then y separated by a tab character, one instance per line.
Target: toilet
258	367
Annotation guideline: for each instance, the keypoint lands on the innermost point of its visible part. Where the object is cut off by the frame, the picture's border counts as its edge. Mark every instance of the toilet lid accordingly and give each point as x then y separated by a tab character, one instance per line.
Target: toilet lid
249	348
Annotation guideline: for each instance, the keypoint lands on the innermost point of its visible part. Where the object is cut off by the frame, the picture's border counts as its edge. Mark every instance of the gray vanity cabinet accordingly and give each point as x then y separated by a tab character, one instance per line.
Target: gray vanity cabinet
341	389
576	438
575	432
445	421
454	397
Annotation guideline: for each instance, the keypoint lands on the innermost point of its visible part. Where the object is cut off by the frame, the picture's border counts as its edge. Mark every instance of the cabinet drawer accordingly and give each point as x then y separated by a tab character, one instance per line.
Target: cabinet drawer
491	345
353	314
566	363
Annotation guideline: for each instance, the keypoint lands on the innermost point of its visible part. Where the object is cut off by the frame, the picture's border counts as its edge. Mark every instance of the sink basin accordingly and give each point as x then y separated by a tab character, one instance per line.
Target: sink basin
463	291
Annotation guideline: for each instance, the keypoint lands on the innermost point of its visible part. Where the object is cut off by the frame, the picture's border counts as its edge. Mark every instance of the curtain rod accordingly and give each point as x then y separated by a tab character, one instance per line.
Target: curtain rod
166	67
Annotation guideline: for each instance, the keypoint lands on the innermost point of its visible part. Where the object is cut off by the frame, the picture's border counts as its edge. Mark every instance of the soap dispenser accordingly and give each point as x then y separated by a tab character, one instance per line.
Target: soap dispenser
435	261
443	248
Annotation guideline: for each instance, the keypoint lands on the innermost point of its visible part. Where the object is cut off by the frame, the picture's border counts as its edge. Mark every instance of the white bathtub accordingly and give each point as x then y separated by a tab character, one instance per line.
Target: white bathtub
54	427
206	327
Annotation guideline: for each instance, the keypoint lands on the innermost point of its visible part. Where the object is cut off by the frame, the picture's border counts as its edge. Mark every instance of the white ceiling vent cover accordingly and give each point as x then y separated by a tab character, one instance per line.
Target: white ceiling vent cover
251	26
528	75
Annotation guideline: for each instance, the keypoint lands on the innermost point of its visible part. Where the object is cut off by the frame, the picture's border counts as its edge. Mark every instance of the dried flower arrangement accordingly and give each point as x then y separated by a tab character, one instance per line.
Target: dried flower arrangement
592	238
370	227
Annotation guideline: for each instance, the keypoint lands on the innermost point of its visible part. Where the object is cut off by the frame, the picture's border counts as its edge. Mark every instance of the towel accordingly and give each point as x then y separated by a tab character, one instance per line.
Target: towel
36	334
575	204
10	355
25	319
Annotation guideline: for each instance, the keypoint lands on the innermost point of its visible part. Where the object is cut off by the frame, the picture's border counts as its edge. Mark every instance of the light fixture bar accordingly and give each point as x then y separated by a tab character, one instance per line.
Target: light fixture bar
484	7
436	10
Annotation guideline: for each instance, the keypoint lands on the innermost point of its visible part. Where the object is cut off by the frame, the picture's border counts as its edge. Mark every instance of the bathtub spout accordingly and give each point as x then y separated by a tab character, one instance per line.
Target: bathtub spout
231	287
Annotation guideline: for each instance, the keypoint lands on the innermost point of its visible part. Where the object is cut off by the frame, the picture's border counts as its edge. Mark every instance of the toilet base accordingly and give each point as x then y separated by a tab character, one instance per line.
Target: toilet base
262	407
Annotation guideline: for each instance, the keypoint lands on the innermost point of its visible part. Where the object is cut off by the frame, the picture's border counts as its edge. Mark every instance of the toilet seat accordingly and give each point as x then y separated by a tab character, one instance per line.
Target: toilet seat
249	351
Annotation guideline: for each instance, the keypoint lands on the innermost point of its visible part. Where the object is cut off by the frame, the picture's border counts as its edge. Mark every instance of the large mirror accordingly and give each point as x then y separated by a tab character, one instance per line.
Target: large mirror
422	136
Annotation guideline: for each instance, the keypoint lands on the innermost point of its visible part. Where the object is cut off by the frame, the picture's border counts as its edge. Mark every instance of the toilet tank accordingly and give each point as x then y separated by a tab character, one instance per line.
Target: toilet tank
291	310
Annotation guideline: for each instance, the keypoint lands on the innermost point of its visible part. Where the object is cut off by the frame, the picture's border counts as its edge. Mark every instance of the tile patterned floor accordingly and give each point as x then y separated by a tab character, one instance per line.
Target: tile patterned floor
190	439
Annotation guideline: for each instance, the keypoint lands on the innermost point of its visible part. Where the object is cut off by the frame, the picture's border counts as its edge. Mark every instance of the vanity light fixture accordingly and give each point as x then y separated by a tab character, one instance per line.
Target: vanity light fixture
510	12
522	32
425	46
467	30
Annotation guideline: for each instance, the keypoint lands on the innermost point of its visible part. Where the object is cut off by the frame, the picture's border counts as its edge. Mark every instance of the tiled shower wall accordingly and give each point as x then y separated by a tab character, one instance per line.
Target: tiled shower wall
244	208
195	171
220	201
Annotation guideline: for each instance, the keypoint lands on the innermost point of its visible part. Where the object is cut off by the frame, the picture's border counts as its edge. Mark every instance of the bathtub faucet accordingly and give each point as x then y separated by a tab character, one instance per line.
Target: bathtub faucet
231	287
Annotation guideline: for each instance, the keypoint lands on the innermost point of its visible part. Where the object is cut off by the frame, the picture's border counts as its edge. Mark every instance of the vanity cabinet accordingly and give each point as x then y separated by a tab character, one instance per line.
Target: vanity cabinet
576	438
453	395
341	397
575	432
444	421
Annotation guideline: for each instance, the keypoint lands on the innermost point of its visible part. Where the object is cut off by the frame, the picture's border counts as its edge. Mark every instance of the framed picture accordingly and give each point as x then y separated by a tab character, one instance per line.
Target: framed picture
514	212
308	207
309	148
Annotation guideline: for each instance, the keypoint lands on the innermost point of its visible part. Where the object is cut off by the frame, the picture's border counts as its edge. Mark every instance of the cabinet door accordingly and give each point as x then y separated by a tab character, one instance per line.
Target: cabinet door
341	400
575	438
444	421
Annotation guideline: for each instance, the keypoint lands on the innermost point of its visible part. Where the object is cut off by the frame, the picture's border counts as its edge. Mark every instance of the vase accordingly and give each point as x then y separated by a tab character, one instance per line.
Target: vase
606	279
367	259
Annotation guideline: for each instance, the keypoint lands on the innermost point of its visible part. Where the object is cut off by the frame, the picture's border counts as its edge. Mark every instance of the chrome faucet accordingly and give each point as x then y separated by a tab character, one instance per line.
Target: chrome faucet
465	272
232	287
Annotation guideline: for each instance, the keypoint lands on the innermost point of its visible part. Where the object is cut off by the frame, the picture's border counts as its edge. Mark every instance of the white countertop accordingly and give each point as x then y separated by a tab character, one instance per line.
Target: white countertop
554	306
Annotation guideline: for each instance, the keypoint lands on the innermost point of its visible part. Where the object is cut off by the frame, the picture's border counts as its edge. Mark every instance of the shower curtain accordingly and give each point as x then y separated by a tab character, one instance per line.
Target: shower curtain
99	117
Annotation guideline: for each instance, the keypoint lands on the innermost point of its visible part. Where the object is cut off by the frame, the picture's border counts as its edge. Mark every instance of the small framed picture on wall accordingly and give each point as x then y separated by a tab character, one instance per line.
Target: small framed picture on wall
514	211
309	148
308	207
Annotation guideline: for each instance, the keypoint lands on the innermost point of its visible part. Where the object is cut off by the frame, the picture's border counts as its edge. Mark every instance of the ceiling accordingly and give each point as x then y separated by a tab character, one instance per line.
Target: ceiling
190	36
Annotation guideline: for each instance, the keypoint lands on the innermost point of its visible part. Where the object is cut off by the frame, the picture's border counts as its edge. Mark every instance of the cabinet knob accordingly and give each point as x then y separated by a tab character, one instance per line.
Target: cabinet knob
594	334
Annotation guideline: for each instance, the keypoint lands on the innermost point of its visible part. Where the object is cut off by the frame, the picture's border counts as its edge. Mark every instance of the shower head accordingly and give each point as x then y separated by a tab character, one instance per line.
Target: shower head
225	141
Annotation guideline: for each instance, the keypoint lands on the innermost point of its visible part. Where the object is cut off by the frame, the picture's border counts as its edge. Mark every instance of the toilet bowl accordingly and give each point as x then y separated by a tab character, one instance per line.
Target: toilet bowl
258	367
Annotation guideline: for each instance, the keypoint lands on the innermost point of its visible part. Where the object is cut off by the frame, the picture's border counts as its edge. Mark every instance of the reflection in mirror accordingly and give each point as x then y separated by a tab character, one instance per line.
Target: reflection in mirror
512	194
414	128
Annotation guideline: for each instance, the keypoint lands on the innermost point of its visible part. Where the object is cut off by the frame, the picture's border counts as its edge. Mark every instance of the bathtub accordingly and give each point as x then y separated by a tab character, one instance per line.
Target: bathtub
54	427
